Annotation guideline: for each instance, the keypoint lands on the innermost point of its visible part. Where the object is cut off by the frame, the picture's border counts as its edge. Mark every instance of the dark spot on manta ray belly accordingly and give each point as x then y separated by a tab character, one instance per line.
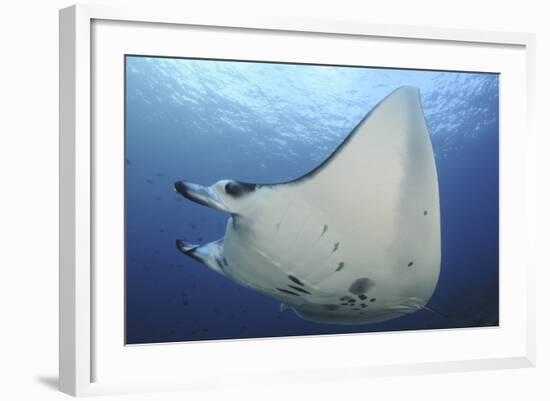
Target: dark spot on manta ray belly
295	279
425	212
362	296
361	285
410	264
300	289
340	266
288	292
336	245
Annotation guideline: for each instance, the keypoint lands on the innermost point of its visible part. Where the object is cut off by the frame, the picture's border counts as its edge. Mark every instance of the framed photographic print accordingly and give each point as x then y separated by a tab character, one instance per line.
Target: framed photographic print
353	197
341	211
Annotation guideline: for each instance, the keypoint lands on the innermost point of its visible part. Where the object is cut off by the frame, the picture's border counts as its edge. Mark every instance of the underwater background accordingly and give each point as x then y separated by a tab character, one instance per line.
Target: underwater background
206	120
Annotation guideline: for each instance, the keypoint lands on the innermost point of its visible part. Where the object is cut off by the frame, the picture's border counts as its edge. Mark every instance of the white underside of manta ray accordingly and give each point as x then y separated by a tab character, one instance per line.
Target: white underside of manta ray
356	240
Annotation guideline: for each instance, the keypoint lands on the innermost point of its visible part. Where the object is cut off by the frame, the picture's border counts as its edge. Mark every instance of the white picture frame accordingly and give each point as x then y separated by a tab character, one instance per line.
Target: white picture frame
85	333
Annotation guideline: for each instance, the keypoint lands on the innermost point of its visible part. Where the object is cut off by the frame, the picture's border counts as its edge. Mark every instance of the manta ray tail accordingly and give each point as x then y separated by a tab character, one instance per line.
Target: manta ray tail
435	312
464	321
210	254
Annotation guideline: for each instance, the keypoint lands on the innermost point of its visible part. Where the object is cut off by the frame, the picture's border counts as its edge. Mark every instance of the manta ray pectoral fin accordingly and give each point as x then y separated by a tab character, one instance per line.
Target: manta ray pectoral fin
209	254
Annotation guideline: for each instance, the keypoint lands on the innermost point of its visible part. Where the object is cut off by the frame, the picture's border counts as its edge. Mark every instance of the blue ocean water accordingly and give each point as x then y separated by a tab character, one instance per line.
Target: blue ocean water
204	120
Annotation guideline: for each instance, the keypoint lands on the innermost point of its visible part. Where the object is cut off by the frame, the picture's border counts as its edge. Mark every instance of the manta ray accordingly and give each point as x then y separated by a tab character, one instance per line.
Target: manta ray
356	240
